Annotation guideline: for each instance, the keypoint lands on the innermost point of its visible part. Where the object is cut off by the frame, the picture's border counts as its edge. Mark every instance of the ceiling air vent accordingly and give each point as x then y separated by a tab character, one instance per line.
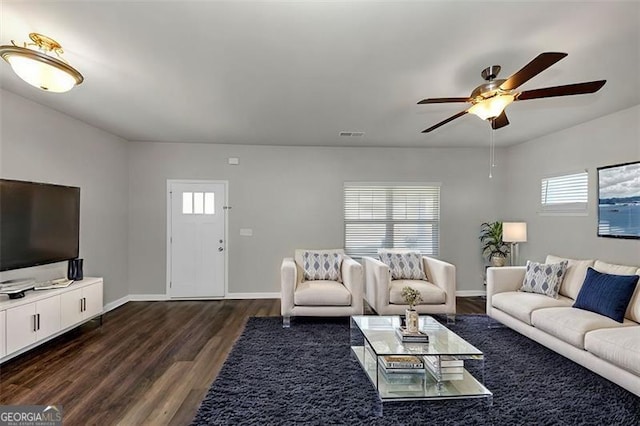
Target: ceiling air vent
352	134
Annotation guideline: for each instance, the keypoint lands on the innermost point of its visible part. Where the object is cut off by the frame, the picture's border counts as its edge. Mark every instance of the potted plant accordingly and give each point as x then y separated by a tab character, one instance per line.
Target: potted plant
411	297
493	248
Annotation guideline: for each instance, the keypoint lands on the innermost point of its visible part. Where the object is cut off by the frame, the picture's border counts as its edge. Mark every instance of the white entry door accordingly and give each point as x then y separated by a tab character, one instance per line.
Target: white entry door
197	239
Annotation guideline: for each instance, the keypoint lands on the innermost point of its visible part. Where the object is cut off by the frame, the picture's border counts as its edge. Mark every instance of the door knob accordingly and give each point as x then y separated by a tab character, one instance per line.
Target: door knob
220	249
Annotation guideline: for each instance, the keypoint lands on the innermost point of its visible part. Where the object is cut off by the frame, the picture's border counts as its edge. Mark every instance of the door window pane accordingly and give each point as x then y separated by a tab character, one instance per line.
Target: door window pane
209	203
187	203
198	202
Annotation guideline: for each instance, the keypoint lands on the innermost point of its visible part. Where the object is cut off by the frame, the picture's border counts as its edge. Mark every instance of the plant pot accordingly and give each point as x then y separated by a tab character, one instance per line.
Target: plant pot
412	320
498	261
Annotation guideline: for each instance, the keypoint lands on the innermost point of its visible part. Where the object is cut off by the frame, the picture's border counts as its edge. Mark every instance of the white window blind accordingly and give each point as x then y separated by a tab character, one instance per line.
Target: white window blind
566	193
391	216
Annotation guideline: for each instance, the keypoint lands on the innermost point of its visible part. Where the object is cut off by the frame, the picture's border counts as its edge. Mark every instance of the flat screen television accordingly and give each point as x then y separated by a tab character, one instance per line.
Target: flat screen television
619	201
39	223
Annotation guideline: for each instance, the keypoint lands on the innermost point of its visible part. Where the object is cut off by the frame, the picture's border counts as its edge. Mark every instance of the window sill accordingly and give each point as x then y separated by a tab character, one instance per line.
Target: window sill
561	213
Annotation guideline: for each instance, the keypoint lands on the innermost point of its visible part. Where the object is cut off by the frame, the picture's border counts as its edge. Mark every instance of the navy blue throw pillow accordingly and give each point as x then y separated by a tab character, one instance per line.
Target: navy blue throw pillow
606	294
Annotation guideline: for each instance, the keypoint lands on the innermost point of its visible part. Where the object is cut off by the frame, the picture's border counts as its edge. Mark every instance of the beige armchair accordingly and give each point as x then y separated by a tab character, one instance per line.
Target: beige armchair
438	291
300	297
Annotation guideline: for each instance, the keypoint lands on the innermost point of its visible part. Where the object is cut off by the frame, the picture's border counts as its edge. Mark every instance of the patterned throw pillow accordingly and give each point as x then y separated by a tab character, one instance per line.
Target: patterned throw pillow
544	278
322	266
405	265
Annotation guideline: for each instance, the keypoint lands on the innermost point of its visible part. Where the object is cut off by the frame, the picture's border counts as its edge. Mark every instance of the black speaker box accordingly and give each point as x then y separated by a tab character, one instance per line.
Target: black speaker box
75	270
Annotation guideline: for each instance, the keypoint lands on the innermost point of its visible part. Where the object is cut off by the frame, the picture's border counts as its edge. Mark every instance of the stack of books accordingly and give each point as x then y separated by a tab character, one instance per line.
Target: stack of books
401	364
447	369
411	337
402	372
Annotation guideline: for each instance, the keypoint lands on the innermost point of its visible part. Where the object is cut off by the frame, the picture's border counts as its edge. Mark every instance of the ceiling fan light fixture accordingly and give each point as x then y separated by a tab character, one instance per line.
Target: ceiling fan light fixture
491	98
39	67
492	107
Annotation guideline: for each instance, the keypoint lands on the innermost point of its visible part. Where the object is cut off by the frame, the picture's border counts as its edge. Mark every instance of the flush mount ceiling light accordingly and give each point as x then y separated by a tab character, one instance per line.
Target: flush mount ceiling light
41	64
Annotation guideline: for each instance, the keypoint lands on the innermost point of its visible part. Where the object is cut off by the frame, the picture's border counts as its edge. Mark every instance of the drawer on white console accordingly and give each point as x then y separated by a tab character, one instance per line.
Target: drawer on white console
71	308
92	300
21	327
80	304
31	322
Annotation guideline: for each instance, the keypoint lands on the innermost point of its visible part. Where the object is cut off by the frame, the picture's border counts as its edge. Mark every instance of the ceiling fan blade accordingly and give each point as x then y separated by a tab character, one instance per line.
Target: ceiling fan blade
442	100
500	121
567	90
442	123
533	68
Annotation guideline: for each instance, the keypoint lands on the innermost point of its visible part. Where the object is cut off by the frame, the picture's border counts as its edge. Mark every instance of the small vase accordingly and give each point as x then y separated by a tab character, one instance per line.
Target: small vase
412	320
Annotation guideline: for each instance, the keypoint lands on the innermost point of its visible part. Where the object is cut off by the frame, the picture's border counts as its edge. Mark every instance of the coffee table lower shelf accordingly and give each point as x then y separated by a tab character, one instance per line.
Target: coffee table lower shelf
419	386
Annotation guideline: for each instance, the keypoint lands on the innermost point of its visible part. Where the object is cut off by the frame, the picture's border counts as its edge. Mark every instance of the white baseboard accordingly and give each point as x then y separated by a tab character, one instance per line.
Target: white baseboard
275	295
163	297
470	293
186	299
148	297
116	303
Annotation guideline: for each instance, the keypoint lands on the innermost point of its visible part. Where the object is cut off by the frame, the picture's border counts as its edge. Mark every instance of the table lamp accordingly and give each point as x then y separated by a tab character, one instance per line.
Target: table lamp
514	233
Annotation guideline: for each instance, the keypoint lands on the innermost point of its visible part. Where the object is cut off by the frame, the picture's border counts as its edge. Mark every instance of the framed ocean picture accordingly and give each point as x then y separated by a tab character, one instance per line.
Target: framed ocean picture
619	200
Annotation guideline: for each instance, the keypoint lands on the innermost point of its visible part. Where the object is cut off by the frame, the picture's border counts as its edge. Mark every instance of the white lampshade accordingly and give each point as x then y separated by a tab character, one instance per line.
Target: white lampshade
41	75
514	232
491	107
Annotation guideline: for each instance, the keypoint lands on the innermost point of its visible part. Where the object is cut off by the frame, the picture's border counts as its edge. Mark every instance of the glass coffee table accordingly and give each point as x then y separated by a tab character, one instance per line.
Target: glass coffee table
402	371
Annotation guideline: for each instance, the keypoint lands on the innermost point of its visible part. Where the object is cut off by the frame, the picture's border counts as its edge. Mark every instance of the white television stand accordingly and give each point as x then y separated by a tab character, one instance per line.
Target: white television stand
41	315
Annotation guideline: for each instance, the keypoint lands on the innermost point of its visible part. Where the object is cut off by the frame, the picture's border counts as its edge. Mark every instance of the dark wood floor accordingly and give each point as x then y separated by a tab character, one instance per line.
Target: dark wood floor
149	363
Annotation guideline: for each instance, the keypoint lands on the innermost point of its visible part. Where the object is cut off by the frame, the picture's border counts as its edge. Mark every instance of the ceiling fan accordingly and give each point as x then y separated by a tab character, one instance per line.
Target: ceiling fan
491	98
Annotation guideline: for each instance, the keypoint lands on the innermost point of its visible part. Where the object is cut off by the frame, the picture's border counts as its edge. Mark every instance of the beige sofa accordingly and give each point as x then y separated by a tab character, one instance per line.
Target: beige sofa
605	346
438	292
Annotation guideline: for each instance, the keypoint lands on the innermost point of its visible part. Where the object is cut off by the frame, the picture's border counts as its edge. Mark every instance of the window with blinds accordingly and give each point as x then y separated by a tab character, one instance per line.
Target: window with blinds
566	193
403	216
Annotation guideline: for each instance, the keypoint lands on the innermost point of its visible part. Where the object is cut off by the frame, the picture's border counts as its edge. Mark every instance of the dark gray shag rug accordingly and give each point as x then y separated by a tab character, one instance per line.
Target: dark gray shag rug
307	375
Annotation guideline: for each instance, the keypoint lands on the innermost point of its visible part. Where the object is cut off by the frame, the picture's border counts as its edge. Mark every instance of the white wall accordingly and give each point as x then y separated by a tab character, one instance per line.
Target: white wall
292	198
43	145
605	141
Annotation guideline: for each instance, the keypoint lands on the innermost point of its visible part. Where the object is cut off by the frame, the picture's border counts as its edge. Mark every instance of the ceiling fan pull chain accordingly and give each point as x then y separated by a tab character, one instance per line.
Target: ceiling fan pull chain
493	147
491	154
